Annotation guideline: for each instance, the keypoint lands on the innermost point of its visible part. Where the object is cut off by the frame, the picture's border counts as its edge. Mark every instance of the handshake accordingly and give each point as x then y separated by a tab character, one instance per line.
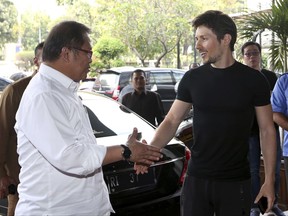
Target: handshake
142	154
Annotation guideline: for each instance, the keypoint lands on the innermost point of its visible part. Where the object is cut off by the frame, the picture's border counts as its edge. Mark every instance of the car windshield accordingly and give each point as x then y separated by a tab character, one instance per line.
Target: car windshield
108	80
178	75
159	77
108	118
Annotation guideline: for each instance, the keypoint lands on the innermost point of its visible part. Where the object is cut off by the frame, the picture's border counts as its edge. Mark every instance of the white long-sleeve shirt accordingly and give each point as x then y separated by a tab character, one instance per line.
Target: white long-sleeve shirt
60	160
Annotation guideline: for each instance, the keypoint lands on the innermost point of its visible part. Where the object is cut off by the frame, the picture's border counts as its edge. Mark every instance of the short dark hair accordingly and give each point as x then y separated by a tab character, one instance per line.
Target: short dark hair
39	46
250	43
138	71
219	23
65	34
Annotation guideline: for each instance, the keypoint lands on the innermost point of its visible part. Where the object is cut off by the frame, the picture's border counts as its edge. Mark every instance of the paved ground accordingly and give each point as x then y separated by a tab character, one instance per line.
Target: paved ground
3	202
271	214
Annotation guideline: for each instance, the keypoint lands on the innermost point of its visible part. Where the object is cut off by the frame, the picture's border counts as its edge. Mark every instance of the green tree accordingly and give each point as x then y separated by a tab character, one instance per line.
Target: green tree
24	60
34	29
82	11
8	22
65	2
151	29
108	49
276	21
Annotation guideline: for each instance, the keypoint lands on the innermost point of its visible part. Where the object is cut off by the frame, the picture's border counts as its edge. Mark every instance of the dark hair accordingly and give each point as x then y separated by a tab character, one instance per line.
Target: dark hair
250	43
138	71
65	34
219	23
39	46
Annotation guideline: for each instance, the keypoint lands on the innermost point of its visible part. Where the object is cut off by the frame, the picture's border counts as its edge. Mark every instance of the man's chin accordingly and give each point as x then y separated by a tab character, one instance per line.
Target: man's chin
205	61
208	61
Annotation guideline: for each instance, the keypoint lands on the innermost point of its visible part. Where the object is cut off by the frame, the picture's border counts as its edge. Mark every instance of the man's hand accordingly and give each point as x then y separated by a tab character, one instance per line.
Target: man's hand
4	183
140	169
267	190
141	152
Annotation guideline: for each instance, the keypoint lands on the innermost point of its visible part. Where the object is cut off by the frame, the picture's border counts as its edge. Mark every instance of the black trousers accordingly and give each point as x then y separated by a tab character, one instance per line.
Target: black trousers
202	197
286	170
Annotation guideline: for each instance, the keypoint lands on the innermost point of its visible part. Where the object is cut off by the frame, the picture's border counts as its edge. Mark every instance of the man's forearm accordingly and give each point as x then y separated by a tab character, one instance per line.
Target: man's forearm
164	133
268	146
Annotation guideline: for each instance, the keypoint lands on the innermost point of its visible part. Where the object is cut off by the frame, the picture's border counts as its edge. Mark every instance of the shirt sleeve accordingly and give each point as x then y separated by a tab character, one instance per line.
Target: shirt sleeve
61	132
183	93
279	95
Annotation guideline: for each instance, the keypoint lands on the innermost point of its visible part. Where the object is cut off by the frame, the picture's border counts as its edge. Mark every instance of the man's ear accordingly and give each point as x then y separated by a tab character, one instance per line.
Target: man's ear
35	61
65	54
227	39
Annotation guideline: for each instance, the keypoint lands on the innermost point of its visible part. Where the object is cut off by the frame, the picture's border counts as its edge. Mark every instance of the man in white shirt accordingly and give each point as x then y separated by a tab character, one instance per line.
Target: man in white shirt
60	160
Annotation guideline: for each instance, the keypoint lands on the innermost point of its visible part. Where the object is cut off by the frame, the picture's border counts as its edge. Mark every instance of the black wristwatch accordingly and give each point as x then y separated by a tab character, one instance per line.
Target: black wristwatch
126	153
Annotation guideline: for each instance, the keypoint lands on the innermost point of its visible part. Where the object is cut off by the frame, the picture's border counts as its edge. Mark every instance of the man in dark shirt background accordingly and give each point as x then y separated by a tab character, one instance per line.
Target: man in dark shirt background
145	103
251	52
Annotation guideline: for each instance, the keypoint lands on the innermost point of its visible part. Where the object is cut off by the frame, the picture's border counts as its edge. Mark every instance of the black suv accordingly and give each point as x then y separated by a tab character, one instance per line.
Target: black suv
161	80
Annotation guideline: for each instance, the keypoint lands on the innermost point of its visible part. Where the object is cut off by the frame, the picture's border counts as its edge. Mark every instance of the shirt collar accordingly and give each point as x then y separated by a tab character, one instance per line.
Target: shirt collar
59	77
144	92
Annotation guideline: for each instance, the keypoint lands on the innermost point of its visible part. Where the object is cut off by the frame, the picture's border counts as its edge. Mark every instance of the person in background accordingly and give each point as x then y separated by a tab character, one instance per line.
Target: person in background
145	103
251	52
126	89
9	103
224	99
61	162
194	65
279	101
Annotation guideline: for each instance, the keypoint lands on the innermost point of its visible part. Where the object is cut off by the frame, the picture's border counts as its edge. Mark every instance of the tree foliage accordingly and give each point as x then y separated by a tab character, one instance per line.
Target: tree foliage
151	29
24	60
34	29
65	2
276	21
8	22
108	48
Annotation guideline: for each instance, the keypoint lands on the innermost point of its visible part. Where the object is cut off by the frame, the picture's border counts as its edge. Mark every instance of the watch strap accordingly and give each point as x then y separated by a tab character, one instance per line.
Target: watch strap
126	153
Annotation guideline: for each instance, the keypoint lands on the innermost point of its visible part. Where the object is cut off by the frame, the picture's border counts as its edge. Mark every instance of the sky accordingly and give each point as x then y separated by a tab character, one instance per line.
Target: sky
50	5
47	6
258	4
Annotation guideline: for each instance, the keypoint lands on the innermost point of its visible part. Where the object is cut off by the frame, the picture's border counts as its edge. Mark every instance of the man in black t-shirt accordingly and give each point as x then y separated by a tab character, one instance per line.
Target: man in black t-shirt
223	95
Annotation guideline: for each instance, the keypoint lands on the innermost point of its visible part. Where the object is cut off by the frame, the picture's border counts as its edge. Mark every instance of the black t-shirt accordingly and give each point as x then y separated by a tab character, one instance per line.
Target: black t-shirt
223	102
271	77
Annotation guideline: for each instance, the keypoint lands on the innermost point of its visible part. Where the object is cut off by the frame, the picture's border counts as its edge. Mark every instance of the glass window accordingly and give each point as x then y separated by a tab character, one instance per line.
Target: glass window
105	115
125	78
106	82
108	79
177	75
160	78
